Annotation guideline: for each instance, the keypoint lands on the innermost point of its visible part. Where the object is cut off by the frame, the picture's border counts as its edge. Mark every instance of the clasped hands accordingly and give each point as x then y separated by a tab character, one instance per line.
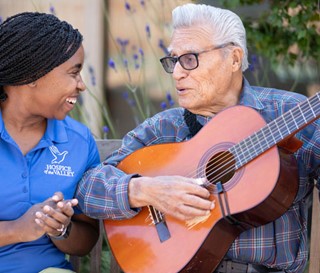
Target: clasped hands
49	217
55	215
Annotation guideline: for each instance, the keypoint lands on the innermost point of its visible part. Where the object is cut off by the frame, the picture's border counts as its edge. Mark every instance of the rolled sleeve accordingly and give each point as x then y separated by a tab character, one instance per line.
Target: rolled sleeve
103	193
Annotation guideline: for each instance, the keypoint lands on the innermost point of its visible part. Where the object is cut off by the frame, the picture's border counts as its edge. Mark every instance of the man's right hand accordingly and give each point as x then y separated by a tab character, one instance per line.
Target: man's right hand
180	197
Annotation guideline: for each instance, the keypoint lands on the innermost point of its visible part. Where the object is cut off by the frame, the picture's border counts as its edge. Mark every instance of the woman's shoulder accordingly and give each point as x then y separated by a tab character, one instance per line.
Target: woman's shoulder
75	127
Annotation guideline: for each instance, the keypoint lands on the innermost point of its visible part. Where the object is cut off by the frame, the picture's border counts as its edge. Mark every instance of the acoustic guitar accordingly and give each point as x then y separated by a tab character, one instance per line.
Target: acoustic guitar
251	180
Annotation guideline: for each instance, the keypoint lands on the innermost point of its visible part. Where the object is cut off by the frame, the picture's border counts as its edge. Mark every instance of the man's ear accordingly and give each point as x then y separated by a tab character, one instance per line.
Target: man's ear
237	55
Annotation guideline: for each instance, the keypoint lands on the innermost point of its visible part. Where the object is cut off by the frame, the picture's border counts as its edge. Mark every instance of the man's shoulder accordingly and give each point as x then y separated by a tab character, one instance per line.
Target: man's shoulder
274	94
171	115
167	122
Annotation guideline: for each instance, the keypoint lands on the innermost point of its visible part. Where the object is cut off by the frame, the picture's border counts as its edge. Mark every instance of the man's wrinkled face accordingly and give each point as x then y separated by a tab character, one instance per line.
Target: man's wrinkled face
208	88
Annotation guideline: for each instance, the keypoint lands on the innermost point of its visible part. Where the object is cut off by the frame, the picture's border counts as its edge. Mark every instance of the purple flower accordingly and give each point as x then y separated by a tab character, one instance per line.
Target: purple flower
125	63
169	99
52	10
112	64
1	20
92	75
141	53
125	95
161	43
136	59
142	3
123	44
163	105
148	31
105	129
129	100
254	58
254	62
163	47
127	6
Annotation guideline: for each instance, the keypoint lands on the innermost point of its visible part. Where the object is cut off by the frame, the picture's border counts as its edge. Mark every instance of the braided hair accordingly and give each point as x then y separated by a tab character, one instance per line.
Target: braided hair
31	45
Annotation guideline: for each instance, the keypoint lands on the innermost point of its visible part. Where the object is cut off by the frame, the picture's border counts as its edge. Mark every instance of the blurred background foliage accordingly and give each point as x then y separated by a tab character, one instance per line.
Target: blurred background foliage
286	33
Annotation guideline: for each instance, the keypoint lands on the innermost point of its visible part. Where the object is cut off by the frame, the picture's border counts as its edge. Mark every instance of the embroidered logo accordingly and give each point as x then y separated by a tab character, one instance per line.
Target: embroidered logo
58	156
55	168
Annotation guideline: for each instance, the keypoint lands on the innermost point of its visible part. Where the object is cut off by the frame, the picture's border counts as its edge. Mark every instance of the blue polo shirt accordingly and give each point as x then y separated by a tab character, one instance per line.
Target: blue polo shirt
57	163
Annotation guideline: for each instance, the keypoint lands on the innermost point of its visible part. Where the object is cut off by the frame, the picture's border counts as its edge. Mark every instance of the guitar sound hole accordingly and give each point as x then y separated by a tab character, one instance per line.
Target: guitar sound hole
220	167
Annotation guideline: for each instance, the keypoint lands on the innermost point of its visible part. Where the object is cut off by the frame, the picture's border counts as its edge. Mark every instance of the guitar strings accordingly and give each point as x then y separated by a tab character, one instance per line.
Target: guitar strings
222	163
224	157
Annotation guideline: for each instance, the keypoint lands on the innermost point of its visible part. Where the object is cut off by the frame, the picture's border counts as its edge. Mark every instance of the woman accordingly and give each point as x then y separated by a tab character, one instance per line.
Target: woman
43	152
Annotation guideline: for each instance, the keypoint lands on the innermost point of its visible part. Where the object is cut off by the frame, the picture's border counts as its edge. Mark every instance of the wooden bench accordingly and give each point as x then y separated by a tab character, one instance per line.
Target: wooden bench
106	147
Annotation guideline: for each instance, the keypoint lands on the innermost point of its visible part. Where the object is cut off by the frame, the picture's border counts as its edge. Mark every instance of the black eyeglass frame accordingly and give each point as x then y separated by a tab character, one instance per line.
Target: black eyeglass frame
176	59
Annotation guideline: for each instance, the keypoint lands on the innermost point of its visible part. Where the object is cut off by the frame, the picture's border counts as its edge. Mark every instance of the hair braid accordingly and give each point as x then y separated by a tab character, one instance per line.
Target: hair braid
31	45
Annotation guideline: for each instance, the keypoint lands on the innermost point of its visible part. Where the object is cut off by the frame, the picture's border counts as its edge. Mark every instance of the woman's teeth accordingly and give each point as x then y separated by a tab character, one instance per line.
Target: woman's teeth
71	100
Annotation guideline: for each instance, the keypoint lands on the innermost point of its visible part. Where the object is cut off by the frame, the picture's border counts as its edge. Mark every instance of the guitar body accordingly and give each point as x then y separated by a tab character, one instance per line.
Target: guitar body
257	193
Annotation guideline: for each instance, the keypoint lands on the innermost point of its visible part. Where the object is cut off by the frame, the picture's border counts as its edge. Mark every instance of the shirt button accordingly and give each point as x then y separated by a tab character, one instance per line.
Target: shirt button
24	175
25	189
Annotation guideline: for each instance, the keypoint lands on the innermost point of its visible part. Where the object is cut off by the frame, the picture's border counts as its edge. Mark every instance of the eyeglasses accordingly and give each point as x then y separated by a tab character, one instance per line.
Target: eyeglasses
188	61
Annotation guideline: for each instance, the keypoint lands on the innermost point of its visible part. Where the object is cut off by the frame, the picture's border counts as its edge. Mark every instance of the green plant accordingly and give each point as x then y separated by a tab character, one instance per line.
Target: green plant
287	32
133	66
287	37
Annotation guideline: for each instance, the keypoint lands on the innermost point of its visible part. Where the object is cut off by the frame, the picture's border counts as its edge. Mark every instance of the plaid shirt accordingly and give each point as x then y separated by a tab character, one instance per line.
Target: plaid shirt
103	191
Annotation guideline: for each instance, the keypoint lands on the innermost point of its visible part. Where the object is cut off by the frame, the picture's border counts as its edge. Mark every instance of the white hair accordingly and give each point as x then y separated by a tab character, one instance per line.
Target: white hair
225	24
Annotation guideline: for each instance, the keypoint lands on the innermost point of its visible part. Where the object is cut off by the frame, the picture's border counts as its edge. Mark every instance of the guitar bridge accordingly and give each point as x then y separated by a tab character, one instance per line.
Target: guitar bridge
160	223
163	231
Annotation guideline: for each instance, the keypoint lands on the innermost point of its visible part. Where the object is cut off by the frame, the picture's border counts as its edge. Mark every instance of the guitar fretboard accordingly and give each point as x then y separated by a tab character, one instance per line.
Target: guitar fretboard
277	130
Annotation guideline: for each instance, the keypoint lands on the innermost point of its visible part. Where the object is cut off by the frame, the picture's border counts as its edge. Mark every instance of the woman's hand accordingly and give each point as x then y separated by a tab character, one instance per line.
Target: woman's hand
55	216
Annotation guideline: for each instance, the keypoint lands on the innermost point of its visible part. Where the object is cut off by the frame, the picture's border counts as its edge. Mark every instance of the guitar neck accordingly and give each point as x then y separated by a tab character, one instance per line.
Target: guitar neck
287	124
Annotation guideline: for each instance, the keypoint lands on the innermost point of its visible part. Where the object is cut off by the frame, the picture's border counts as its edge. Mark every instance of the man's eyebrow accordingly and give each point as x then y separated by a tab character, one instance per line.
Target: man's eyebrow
187	50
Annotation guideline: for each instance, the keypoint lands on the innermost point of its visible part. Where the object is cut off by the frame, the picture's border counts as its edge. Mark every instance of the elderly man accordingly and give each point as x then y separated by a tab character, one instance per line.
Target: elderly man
207	57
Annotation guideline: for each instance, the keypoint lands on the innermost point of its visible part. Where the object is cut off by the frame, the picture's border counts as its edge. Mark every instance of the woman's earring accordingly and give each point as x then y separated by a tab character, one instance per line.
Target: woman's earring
3	96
